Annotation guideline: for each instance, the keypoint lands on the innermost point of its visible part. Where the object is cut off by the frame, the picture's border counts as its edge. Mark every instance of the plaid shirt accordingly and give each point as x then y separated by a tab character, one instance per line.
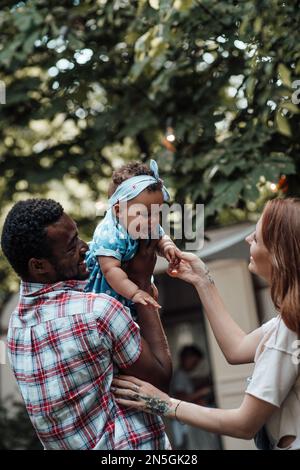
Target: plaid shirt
64	346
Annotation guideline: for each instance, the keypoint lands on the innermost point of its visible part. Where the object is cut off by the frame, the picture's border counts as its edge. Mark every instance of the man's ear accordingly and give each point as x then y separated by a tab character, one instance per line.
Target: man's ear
38	267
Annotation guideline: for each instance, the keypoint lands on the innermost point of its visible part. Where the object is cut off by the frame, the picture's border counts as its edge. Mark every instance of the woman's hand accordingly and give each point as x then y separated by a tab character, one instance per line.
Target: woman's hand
190	269
135	393
172	254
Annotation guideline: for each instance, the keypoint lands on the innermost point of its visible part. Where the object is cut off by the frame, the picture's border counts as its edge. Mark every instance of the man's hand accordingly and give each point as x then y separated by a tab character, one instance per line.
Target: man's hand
140	268
154	362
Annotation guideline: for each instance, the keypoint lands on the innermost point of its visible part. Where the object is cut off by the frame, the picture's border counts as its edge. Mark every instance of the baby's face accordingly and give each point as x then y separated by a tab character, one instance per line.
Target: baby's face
141	215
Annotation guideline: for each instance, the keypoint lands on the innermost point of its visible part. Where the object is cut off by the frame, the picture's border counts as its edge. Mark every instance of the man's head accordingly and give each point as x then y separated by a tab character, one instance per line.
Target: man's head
190	356
41	242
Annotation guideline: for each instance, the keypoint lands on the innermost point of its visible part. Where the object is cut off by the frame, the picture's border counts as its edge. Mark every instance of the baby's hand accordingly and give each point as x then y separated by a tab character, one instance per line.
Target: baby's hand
142	297
173	255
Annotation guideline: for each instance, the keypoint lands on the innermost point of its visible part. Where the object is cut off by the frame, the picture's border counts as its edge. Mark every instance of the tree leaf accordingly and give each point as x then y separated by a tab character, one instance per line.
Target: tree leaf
285	75
283	124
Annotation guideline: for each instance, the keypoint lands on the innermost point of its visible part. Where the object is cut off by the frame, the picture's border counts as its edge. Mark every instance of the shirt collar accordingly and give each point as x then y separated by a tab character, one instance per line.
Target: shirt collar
33	306
35	289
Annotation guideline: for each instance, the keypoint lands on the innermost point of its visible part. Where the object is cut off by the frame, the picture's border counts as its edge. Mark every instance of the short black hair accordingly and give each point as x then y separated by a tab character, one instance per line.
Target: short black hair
191	350
128	171
24	233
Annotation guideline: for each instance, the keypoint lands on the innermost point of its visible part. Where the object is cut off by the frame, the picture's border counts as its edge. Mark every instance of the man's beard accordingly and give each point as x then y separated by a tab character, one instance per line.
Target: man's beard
74	275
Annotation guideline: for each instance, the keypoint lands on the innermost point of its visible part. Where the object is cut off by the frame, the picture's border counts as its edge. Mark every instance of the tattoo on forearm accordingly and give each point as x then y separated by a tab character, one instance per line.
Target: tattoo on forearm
208	275
155	405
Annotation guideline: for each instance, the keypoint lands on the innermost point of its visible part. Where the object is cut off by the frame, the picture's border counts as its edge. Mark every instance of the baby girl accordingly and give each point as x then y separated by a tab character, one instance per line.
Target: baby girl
136	193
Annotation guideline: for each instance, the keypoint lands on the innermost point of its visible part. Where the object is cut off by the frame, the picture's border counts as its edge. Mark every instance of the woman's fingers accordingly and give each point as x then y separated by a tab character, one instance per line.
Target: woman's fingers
129	403
187	256
125	384
135	393
172	272
182	265
175	271
129	378
126	393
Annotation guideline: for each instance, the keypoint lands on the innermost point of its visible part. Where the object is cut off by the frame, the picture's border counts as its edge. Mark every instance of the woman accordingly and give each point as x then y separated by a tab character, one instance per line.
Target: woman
271	406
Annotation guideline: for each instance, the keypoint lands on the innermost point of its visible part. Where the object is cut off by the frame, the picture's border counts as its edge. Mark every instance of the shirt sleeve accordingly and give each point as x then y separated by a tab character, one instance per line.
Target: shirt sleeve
268	325
109	241
274	375
121	334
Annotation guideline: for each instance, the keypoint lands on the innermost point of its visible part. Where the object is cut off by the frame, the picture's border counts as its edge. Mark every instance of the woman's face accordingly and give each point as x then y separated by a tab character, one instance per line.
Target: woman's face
260	259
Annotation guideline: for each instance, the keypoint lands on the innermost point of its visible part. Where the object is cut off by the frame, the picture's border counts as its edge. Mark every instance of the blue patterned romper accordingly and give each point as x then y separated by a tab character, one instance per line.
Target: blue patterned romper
110	239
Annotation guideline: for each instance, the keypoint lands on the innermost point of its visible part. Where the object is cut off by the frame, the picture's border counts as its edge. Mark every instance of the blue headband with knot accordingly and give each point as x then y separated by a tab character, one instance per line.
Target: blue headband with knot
132	187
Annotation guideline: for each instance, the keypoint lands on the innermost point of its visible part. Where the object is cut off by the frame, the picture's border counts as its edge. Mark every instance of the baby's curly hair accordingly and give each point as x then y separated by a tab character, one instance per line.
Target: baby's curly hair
128	171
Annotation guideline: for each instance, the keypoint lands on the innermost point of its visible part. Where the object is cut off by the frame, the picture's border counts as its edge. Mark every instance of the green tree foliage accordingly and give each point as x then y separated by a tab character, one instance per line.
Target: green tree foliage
92	82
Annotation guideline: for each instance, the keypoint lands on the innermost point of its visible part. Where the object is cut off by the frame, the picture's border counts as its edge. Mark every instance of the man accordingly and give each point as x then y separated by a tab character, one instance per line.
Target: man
65	345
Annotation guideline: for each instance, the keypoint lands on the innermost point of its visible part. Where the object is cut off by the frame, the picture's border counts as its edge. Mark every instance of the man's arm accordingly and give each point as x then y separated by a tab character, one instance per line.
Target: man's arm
154	363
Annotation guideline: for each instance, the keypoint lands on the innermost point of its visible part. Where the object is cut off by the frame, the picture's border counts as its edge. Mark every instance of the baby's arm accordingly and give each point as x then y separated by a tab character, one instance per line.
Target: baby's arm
167	249
119	281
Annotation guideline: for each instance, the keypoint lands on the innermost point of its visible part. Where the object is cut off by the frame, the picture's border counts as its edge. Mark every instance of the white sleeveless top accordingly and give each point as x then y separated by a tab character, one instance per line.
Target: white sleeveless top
276	380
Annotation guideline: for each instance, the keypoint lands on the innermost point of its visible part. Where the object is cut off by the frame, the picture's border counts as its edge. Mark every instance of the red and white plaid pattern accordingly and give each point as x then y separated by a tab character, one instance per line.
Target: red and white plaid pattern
65	345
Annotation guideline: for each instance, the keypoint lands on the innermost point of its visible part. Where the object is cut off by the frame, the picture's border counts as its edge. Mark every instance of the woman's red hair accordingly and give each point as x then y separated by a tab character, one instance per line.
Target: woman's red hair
281	236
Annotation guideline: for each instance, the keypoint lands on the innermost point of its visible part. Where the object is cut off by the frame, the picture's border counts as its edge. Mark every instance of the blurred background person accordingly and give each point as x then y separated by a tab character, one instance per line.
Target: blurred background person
187	385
